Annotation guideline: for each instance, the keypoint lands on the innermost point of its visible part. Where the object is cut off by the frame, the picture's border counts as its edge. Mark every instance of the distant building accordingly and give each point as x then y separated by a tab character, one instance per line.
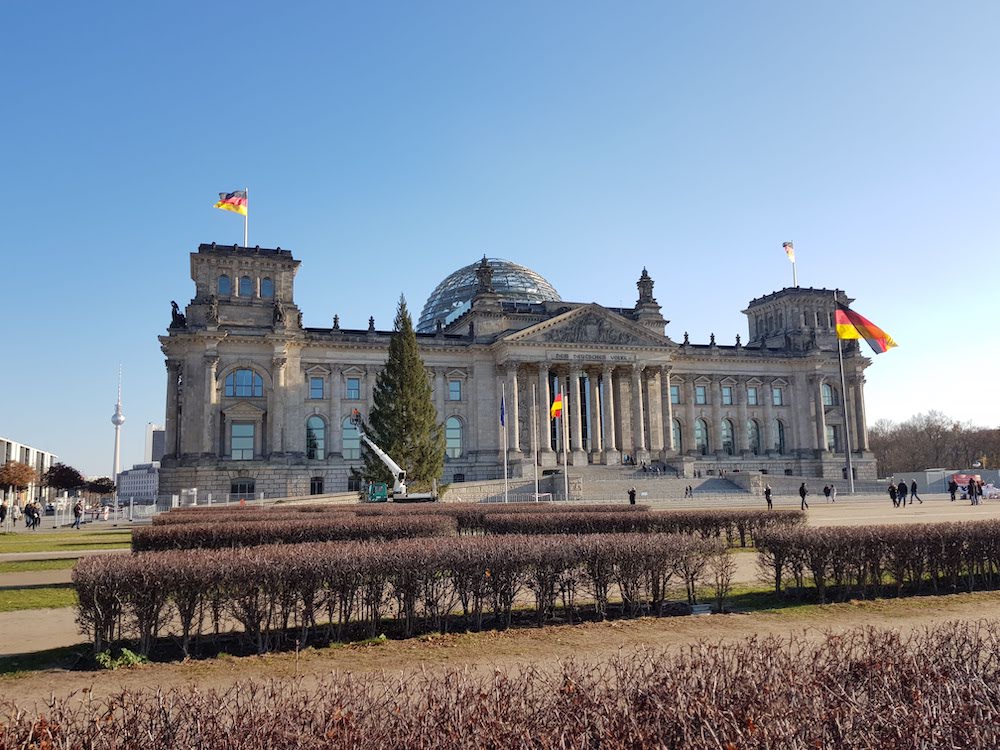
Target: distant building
155	442
37	459
140	483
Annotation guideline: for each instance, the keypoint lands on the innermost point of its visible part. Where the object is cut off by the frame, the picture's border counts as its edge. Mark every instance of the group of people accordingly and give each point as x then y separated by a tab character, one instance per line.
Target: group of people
32	514
898	493
973	490
689	491
830	490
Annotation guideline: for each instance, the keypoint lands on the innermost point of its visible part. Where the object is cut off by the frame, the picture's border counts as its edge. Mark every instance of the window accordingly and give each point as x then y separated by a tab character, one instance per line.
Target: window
354	484
315	387
699	395
727	395
354	388
224	287
454	390
675	394
832	438
779	436
752	395
753	436
829	395
728	445
315	438
242	489
453	437
266	288
776	397
350	440
316	486
241	441
701	436
246	286
676	427
244	384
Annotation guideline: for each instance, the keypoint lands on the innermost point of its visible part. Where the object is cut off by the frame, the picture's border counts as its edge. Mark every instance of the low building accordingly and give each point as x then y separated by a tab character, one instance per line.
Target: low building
139	484
39	460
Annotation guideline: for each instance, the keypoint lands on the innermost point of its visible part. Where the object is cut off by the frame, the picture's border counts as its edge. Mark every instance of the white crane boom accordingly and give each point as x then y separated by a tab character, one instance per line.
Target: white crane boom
398	473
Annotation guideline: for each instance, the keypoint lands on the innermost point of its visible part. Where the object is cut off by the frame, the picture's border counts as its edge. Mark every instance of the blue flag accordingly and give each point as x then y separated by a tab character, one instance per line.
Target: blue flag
502	410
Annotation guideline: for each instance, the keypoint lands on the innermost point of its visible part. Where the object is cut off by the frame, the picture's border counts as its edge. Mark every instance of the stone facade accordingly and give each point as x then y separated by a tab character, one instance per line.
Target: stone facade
256	403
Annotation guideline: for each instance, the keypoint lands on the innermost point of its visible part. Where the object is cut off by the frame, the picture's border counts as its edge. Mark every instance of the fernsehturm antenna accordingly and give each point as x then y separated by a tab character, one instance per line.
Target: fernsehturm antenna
118	419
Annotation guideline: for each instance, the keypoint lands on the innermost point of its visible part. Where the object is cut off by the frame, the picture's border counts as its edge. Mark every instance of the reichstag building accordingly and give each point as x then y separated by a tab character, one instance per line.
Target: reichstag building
256	402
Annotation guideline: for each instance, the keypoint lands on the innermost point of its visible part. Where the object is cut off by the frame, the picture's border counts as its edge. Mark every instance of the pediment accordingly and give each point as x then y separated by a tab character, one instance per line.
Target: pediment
585	325
244	410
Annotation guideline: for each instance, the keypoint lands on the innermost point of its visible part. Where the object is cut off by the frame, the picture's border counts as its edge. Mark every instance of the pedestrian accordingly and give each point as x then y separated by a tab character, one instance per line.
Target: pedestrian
3	511
826	491
77	514
892	494
952	489
901	490
913	493
631	496
833	492
972	490
15	513
767	496
802	494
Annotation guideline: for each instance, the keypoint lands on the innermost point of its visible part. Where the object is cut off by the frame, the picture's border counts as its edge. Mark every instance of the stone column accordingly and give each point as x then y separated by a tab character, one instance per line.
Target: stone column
171	425
545	452
689	416
860	424
768	433
276	411
335	440
611	454
742	444
439	392
715	429
821	444
512	417
596	444
576	414
668	427
654	412
210	421
638	418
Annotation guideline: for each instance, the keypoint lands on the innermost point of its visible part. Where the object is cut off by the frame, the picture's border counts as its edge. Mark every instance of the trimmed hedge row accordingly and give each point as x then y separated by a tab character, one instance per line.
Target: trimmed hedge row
871	561
315	591
328	528
860	690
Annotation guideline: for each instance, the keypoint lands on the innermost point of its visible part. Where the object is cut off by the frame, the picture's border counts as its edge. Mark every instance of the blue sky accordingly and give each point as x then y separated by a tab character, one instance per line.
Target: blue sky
388	144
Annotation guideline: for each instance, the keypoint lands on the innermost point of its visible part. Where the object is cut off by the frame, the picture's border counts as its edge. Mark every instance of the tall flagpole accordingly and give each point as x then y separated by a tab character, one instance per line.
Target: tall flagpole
565	435
843	401
534	436
790	252
246	219
503	425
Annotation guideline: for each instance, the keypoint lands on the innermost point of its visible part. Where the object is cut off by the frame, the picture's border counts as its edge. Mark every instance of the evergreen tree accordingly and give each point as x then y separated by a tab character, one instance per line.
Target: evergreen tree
403	420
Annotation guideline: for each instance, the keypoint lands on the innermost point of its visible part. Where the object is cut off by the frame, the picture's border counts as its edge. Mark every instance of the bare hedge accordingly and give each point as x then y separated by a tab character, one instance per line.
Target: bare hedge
870	561
866	689
277	595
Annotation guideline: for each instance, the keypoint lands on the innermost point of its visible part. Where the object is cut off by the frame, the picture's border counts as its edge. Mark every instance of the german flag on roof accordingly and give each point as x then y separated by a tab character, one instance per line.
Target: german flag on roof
850	325
235	202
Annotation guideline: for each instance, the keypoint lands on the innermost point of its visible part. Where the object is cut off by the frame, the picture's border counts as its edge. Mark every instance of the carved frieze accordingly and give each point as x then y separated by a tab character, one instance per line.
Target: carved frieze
591	329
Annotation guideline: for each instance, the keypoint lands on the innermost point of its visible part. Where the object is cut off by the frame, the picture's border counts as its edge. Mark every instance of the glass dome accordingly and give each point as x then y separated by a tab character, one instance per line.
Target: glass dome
453	296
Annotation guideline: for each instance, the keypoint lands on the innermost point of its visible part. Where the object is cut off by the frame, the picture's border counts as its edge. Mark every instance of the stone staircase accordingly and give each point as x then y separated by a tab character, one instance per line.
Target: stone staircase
611	484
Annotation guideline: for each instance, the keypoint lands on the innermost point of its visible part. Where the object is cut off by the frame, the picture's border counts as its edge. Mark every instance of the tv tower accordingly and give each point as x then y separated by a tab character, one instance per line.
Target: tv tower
118	419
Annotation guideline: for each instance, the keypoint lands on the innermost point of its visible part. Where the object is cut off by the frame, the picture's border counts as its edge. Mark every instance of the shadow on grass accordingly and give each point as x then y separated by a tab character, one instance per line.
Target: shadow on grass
66	657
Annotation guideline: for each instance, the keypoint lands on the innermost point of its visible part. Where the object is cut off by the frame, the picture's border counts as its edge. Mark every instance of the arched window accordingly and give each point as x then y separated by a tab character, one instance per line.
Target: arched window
315	438
246	286
266	288
350	440
753	436
244	384
779	436
728	445
224	287
676	427
453	437
701	436
829	395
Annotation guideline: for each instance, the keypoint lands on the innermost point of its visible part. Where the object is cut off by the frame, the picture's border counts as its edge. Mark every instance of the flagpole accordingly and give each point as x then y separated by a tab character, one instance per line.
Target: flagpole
246	219
565	435
790	252
503	420
534	436
843	401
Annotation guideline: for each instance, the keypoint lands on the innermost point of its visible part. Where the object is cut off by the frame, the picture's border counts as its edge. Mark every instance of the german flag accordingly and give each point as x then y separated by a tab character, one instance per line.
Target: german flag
235	202
556	410
850	325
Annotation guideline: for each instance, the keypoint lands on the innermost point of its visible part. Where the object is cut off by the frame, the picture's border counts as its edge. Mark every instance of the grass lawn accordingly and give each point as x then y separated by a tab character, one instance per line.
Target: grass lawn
39	541
30	566
37	597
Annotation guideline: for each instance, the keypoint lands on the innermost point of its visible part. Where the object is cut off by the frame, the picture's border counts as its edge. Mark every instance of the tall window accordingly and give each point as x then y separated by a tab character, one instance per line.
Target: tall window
244	384
454	390
246	286
224	287
453	437
675	394
727	395
266	288
728	445
315	438
776	398
350	440
701	436
316	486
751	395
700	396
832	438
676	427
315	387
779	436
241	441
753	436
829	395
354	388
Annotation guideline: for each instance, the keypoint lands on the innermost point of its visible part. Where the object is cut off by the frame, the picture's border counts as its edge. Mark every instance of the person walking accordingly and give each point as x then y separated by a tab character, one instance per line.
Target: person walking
77	515
826	491
833	492
913	493
901	490
631	496
3	511
767	496
15	513
952	489
802	494
892	495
